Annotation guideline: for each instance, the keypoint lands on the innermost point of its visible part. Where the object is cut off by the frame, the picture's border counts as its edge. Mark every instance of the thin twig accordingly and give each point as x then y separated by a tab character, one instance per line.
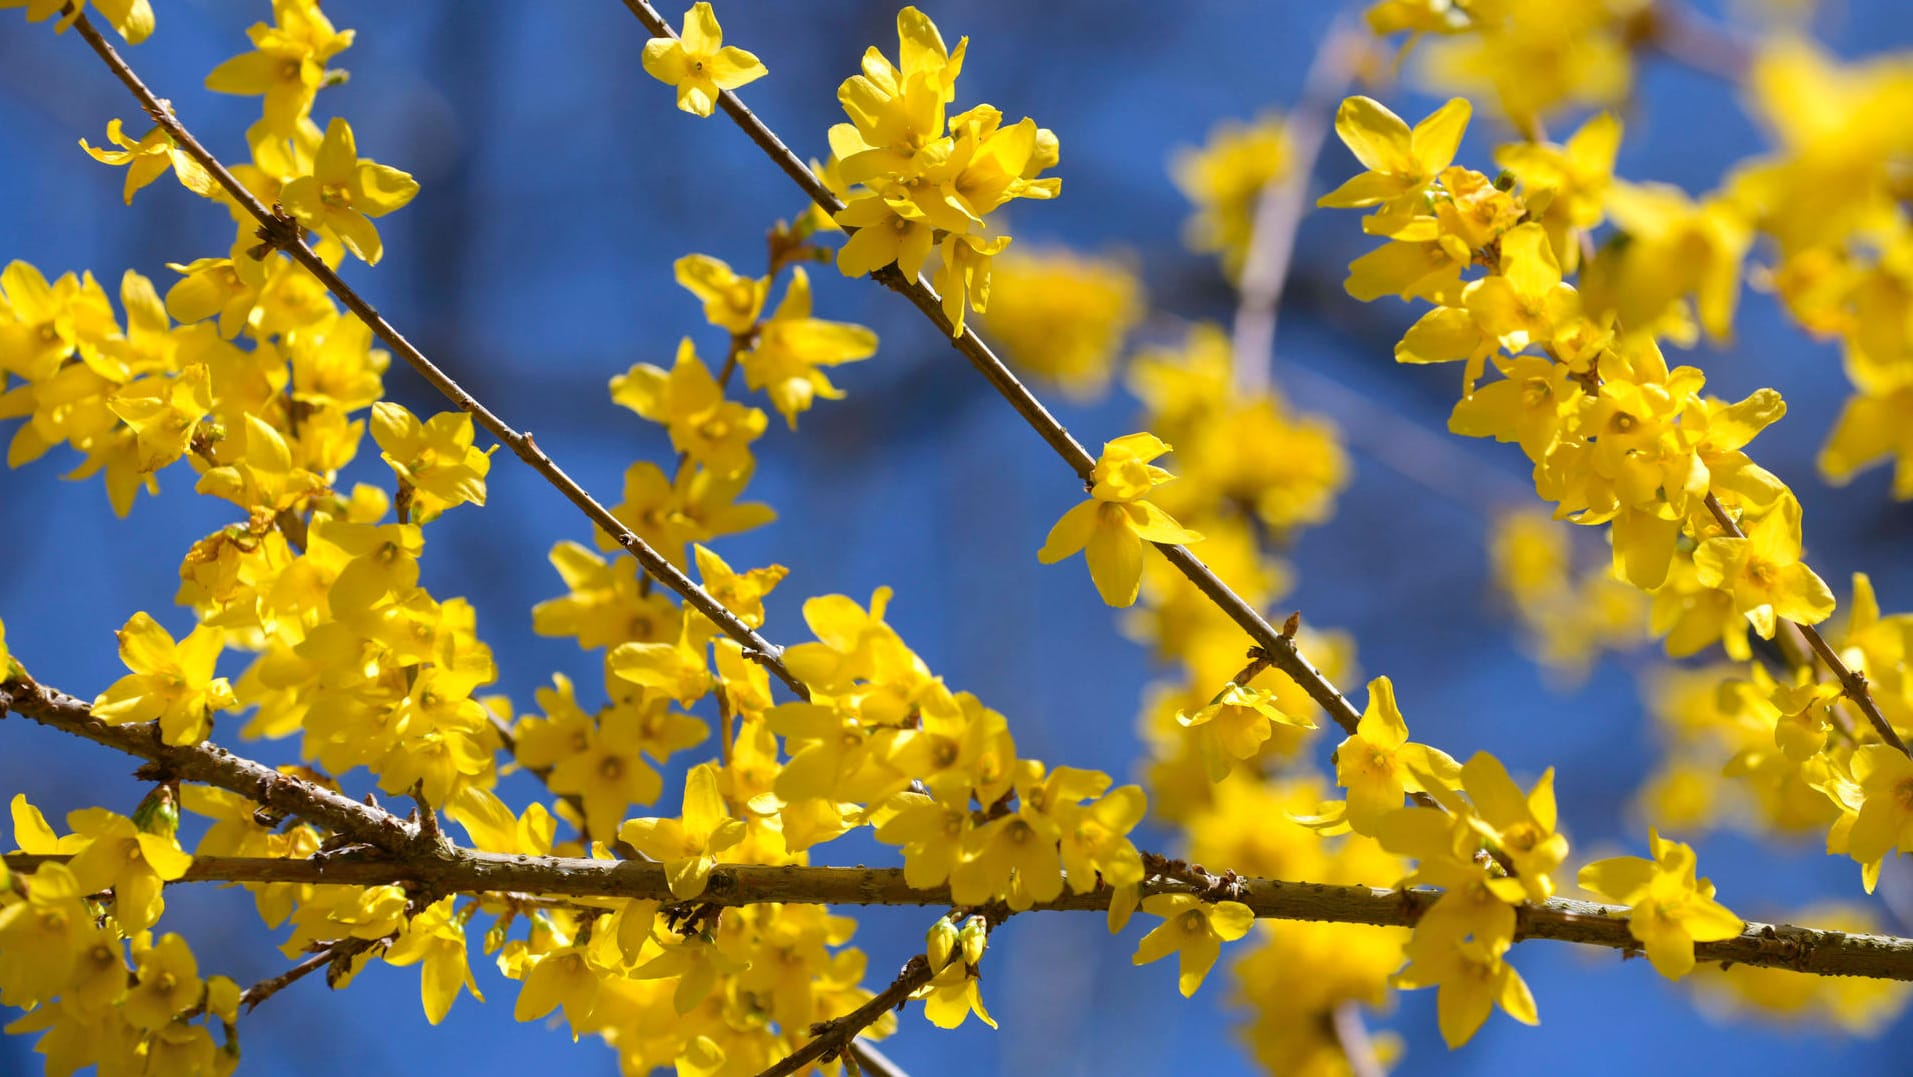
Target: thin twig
344	950
836	1034
1690	39
1283	650
873	1061
281	231
1284	202
1852	682
1351	1034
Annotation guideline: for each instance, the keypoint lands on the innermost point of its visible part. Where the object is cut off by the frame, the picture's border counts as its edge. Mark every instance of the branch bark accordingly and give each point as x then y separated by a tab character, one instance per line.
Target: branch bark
470	871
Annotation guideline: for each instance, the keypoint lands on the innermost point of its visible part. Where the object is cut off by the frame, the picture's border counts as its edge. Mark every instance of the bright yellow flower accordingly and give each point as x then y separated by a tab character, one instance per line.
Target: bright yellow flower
344	190
1472	979
1522	305
1378	765
435	941
435	459
148	158
287	65
1234	725
1764	573
1671	909
169	983
1113	524
1401	162
171	682
1194	930
792	345
133	19
698	62
689	844
690	404
43	937
164	413
731	302
132	863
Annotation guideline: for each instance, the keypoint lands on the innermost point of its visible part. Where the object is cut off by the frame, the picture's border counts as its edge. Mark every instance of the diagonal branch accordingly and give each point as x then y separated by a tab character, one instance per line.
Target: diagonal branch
835	1036
1283	203
1281	649
1852	682
211	765
280	231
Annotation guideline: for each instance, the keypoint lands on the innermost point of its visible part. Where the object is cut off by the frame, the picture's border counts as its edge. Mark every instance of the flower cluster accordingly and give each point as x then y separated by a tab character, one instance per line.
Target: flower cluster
916	179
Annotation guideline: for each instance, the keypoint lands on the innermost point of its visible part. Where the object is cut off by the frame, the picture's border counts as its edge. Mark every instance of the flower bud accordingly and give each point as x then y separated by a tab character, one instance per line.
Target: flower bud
940	944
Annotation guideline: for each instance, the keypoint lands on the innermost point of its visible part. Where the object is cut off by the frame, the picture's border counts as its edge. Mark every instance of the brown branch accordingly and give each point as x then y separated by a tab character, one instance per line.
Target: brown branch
211	765
1684	36
280	231
1852	682
338	955
1284	202
469	871
835	1035
1281	649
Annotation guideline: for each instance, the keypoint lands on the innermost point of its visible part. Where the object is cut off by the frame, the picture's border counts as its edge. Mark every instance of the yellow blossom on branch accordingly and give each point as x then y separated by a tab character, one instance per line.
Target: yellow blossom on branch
698	62
1194	930
287	64
1378	765
1113	524
171	682
689	844
434	459
1671	909
343	191
148	158
1472	978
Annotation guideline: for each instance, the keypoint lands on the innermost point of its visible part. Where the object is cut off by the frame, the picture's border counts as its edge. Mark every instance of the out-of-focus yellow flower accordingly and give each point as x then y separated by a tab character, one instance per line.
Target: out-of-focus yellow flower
1225	178
1063	316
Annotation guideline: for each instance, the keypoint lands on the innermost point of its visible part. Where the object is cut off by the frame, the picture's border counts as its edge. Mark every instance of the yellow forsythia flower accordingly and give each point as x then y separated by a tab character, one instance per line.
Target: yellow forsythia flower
1113	524
171	682
1063	316
132	18
435	940
1671	909
436	458
698	62
1224	179
1378	766
1763	571
287	65
344	190
1401	162
148	158
1194	930
689	844
1472	978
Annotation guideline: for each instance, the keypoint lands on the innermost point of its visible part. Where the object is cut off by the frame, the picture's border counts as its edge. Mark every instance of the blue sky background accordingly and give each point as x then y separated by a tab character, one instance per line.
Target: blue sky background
558	186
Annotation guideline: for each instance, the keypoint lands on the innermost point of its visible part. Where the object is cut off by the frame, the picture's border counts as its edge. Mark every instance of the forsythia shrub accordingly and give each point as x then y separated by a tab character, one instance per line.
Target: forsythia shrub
667	890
